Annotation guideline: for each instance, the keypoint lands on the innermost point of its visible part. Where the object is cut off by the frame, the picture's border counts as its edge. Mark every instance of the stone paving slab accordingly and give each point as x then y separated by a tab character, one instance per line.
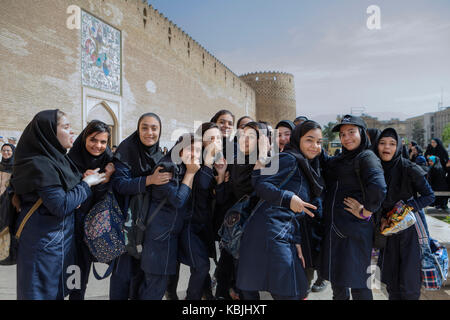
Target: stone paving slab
99	290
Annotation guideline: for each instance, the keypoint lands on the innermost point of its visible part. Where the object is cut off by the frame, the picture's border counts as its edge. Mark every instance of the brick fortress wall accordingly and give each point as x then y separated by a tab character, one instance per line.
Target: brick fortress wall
163	69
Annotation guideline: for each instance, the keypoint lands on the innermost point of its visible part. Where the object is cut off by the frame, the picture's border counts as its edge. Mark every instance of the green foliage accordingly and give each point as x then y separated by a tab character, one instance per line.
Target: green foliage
446	135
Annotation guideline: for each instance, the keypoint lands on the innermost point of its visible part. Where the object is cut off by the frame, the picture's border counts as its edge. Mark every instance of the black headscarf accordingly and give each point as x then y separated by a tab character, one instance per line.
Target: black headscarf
310	168
389	165
439	151
374	134
287	124
240	173
139	158
84	160
365	144
7	164
393	168
40	160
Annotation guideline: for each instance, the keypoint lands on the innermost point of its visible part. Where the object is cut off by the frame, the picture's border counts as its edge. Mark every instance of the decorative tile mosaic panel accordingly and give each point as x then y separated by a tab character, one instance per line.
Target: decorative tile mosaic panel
100	55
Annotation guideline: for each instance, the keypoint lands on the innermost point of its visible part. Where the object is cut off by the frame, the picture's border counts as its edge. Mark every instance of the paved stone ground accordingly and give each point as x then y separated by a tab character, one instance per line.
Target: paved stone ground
98	290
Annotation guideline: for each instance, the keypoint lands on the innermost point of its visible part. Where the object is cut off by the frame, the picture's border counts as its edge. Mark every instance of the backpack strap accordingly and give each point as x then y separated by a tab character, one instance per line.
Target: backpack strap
422	234
28	215
357	167
158	208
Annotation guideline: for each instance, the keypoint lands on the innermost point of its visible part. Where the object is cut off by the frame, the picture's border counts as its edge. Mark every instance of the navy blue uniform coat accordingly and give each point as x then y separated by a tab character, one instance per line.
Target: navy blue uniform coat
347	245
46	246
268	259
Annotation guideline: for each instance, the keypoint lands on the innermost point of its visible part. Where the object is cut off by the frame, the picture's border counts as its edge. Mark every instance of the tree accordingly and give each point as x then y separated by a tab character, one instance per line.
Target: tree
418	133
328	135
446	135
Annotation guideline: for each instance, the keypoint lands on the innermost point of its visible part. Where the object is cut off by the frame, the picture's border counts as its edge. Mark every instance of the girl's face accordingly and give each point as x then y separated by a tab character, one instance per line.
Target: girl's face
386	148
64	133
284	135
213	137
96	143
7	152
430	162
350	137
433	143
248	141
225	123
192	153
149	130
311	143
242	124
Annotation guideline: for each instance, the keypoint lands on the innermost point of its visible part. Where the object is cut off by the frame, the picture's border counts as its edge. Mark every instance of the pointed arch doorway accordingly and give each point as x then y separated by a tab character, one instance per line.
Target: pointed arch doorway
103	113
98	105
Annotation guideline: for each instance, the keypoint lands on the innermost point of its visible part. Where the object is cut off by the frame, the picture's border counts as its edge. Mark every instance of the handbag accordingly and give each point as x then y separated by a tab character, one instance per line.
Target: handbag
400	218
434	265
8	242
237	218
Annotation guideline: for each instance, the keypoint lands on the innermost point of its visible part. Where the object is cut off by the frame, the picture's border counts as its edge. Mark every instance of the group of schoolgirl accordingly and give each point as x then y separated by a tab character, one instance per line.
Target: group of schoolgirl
317	212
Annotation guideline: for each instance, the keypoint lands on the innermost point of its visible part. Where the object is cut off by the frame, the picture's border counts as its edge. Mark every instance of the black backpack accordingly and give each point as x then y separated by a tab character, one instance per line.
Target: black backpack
138	219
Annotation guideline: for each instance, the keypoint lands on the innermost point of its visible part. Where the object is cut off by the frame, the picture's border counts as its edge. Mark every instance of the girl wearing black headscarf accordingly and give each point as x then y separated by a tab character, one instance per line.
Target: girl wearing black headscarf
169	238
400	259
436	148
6	166
285	128
274	252
134	161
347	246
436	177
225	120
43	170
89	152
239	184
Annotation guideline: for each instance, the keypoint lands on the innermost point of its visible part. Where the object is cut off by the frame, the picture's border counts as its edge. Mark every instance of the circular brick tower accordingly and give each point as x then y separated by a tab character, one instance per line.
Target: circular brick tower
274	95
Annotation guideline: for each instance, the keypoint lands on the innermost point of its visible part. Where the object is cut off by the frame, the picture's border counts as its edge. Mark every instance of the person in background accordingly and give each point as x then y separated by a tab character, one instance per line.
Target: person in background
225	120
436	176
299	120
6	165
285	128
240	124
42	170
436	148
405	153
12	140
422	162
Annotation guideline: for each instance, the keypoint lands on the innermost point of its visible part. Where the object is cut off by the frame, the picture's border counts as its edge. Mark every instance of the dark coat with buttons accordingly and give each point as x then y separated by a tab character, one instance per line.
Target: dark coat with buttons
268	259
347	246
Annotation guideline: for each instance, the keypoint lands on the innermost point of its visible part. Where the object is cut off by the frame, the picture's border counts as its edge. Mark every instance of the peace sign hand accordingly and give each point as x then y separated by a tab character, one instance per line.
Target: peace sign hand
298	205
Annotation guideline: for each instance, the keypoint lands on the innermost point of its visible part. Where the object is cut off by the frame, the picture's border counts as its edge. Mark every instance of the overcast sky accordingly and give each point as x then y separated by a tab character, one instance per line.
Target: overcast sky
337	62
